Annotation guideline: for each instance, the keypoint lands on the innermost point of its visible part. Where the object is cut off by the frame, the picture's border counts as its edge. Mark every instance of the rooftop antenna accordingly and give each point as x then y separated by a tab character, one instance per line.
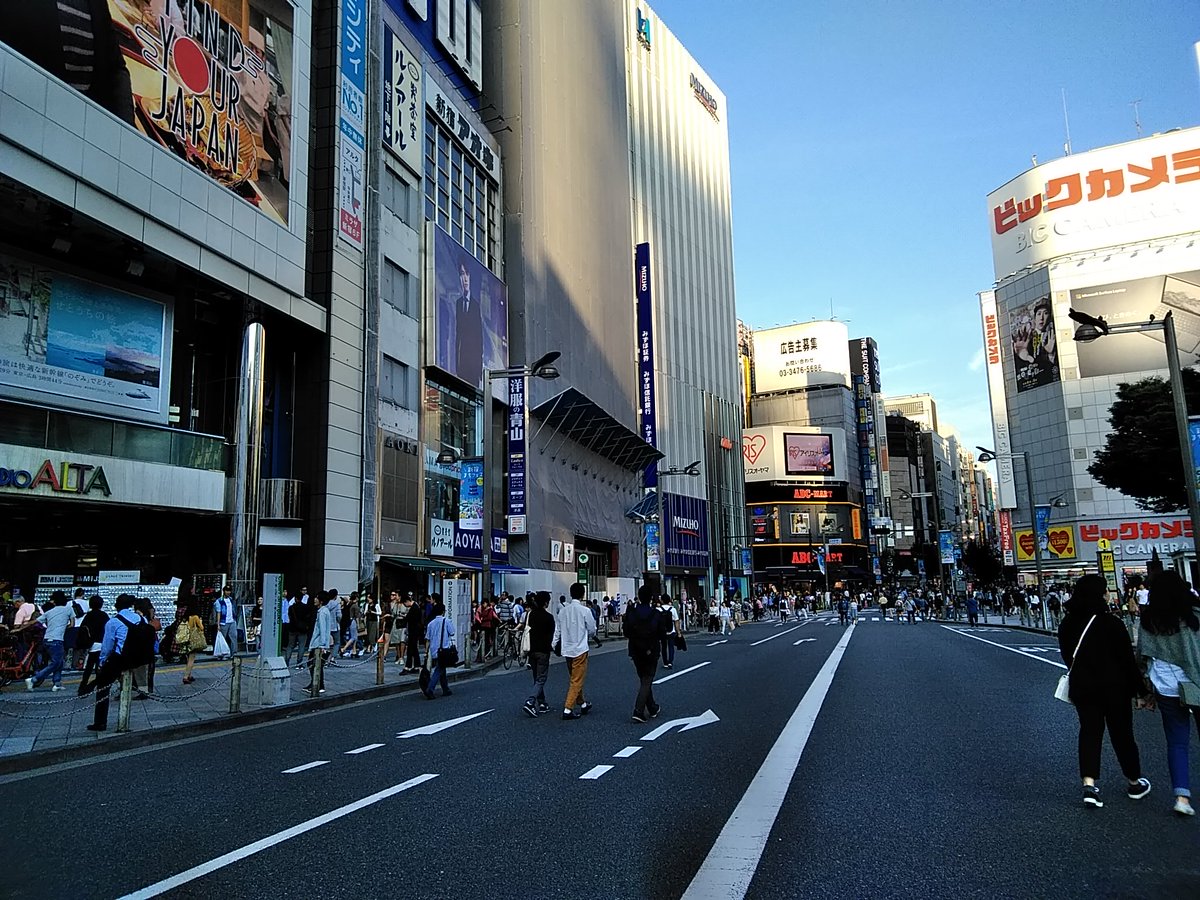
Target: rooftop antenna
1066	123
1137	122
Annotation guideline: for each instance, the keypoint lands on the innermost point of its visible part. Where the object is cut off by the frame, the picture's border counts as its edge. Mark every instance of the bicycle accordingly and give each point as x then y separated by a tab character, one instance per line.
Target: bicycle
508	645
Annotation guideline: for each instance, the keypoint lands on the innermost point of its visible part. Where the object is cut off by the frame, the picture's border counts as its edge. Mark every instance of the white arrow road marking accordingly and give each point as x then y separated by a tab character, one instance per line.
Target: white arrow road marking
684	672
440	726
714	643
781	634
306	767
1003	647
626	753
593	773
708	717
803	641
363	749
169	884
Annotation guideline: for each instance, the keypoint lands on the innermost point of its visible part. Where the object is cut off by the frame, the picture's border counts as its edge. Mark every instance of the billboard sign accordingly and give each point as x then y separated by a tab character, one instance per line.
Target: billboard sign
647	405
808	454
79	345
1006	478
797	356
517	421
864	362
946	547
1137	191
1060	544
352	122
653	548
403	103
1137	301
470	496
1007	545
470	313
773	453
685	531
1034	346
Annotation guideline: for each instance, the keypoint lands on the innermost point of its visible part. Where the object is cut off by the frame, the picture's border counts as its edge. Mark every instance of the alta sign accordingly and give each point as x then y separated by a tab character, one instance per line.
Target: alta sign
68	478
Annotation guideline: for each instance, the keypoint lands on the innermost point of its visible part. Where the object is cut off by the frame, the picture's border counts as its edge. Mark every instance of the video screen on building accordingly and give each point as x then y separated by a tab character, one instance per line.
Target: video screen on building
808	454
210	82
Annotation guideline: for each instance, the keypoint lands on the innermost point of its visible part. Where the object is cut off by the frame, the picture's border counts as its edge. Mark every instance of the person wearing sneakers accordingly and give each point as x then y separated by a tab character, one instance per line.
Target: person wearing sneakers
541	640
645	626
1170	647
573	626
56	619
1104	678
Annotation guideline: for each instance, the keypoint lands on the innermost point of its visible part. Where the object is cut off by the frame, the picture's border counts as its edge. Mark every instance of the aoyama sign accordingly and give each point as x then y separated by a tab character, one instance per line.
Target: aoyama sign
1144	189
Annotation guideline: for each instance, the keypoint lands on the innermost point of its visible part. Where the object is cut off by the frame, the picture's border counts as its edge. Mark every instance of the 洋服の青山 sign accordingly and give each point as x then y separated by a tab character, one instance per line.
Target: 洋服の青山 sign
66	478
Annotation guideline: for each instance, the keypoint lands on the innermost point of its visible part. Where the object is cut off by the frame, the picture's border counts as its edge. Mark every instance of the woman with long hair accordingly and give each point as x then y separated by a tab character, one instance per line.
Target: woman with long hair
349	626
1170	645
1104	679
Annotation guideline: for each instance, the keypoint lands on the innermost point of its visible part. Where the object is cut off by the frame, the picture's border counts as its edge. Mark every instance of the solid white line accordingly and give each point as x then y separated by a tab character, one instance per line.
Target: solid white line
626	753
684	672
594	773
714	643
306	767
1003	647
363	749
781	634
731	863
169	884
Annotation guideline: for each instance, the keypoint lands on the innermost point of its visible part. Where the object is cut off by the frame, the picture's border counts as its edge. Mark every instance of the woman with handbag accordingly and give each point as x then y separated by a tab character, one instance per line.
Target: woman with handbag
189	638
442	650
1170	646
1104	679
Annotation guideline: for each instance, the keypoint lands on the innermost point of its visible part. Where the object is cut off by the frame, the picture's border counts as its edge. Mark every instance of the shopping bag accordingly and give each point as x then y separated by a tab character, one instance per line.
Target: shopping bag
680	642
220	645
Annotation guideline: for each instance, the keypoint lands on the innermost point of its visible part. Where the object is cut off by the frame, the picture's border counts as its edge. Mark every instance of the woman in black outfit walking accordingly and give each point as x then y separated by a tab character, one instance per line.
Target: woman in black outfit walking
1105	678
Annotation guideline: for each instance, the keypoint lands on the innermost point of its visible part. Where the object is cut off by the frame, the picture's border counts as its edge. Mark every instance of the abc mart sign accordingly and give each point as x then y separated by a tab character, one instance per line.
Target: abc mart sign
34	473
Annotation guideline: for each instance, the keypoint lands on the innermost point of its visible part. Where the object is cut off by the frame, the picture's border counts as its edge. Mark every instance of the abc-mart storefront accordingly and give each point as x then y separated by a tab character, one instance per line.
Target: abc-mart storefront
1114	233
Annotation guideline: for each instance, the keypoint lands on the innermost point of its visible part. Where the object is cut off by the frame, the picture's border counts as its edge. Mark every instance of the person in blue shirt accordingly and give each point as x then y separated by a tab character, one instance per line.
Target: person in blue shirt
115	632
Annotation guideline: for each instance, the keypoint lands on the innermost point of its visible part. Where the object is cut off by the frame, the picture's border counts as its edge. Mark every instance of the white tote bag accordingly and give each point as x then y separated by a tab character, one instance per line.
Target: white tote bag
1063	690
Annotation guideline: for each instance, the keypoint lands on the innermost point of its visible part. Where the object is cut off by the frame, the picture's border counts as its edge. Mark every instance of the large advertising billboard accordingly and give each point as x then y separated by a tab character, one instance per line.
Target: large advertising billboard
685	531
209	82
470	312
773	452
77	344
1034	346
1136	301
1140	190
1006	481
647	404
808	454
797	356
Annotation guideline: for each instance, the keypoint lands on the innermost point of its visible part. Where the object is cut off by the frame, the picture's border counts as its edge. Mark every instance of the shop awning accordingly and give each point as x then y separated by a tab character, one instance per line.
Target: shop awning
579	418
502	568
419	562
645	510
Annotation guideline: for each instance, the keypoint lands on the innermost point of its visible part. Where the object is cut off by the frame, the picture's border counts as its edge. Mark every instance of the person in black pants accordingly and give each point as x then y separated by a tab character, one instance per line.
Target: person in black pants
541	638
1104	678
111	664
415	621
644	626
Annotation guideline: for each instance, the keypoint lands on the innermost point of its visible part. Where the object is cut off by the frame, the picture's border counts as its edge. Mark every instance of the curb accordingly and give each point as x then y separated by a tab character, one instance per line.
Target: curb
20	762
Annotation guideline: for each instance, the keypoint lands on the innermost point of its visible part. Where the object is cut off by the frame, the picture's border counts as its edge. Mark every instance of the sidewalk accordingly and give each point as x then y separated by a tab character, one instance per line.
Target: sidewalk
42	723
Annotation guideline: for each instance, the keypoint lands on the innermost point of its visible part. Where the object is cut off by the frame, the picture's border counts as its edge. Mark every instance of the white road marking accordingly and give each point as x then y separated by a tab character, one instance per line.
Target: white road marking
714	643
781	634
708	717
440	726
593	773
874	618
730	865
803	641
363	749
626	753
306	767
169	884
1003	647
684	672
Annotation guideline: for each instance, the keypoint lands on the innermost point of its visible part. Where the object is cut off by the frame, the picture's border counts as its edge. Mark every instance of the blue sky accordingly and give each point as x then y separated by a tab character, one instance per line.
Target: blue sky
865	138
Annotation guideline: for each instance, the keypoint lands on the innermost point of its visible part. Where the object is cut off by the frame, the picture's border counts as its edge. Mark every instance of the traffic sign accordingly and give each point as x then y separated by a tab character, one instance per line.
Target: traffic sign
582	558
1103	544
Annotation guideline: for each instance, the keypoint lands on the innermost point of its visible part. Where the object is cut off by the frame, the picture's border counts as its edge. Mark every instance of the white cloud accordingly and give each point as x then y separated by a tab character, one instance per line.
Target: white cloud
976	362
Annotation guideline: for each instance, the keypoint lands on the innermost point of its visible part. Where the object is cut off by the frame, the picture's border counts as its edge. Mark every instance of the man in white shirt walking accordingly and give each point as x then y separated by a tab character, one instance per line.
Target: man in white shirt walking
225	611
574	624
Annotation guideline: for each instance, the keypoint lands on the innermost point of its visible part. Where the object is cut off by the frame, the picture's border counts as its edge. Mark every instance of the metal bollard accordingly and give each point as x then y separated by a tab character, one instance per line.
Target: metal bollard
235	686
125	704
379	668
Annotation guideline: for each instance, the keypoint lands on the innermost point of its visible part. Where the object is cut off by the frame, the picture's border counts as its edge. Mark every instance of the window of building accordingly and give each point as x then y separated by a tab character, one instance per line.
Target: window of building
397	195
459	196
396	384
450	422
397	288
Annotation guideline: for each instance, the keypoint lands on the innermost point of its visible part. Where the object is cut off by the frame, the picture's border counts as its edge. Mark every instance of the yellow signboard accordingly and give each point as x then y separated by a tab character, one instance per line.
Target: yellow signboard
1060	543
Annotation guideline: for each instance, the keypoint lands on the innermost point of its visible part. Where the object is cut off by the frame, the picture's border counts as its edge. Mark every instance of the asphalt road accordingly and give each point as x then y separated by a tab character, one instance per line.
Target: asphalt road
927	763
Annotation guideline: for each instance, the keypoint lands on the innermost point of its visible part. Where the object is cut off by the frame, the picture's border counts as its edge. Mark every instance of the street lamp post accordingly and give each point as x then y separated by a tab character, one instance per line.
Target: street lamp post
1093	327
986	455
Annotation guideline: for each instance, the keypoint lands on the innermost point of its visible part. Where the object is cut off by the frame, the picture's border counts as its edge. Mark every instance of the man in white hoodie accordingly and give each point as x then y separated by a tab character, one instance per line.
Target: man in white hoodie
573	625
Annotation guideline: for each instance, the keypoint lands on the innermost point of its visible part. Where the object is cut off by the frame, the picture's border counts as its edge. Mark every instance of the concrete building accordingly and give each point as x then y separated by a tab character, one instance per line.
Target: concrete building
920	408
1111	232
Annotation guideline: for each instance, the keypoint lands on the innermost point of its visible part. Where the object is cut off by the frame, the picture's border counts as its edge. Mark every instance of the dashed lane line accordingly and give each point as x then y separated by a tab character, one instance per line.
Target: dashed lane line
684	672
593	773
305	767
363	749
1003	647
626	753
781	634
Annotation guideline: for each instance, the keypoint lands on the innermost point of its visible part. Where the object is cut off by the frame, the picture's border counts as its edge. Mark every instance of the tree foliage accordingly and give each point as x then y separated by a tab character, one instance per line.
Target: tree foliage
1141	457
983	561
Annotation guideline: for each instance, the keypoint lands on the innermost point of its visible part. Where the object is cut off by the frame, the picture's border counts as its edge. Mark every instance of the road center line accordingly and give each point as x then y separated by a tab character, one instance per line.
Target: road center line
594	773
363	749
684	672
1003	647
169	884
306	767
626	753
714	643
731	863
779	635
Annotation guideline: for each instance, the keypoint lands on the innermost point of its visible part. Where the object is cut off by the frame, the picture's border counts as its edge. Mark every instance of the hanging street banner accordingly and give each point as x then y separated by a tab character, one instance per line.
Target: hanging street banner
647	405
517	422
352	122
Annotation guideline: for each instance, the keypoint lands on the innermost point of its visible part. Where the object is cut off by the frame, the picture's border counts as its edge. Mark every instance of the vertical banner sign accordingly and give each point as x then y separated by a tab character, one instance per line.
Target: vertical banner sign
352	122
653	556
403	112
1194	442
747	561
517	521
470	496
946	547
1007	546
645	330
270	630
1007	486
1108	568
1042	512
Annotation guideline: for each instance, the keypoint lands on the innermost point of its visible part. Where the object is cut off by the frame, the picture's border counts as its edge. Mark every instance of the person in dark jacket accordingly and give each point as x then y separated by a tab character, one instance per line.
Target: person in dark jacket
94	623
645	627
1104	679
415	621
541	638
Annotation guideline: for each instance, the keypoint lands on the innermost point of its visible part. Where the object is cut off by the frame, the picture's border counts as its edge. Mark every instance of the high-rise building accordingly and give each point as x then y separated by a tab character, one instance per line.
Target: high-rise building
920	408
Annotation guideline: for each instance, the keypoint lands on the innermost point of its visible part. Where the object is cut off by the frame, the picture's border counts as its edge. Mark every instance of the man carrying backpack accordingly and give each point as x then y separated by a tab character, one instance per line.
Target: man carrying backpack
645	628
128	643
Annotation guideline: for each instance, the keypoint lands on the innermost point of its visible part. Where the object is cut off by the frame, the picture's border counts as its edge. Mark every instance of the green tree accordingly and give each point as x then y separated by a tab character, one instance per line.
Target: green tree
983	561
1141	456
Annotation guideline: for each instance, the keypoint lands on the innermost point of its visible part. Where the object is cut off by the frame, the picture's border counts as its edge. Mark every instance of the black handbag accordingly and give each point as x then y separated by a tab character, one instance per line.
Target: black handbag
448	657
680	642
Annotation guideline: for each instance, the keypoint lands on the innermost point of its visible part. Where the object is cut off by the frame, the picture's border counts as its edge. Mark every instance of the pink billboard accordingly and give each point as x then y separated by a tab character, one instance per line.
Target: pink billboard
808	454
